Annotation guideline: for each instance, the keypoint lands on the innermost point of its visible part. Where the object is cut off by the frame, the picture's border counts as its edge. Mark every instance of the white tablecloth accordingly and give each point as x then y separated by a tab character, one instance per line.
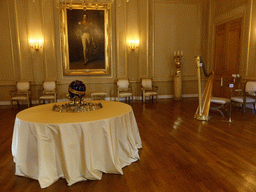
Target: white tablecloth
48	145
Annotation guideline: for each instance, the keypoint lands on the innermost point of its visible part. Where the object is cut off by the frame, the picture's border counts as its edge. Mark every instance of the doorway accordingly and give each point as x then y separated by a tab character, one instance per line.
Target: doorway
226	55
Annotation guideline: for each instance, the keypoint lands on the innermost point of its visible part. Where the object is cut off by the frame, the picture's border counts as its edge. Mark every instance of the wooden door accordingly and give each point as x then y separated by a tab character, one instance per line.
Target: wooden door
227	55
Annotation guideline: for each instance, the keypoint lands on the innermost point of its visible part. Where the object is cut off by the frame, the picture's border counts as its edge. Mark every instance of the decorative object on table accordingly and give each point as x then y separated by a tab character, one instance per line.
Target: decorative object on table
177	79
76	92
77	107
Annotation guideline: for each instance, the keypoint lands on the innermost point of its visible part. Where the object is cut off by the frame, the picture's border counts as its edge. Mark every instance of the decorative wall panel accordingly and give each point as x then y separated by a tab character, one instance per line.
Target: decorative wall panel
176	28
24	54
132	33
50	63
121	48
143	19
7	67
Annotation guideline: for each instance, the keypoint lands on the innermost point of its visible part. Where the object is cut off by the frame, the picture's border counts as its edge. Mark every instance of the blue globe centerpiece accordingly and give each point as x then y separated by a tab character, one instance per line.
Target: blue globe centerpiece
76	92
76	89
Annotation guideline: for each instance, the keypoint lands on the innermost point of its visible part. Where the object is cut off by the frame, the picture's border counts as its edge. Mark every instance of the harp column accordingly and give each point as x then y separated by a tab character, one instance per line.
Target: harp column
177	78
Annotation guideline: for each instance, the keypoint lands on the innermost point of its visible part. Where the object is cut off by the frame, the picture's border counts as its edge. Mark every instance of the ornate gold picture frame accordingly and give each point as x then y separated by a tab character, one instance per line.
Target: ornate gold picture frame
86	40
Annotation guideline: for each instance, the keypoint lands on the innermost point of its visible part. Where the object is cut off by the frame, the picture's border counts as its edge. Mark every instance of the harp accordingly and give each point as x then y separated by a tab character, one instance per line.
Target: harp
202	112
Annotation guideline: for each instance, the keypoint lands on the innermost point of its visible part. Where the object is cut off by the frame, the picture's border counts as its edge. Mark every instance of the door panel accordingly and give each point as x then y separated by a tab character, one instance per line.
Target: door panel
227	55
220	39
233	46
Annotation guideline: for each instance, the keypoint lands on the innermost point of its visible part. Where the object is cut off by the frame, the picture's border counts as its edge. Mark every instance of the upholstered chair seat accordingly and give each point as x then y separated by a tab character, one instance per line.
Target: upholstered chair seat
125	94
240	99
150	93
47	97
219	104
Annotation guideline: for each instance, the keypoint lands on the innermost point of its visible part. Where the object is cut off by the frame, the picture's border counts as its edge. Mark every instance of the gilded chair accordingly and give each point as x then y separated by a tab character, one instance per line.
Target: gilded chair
148	90
124	89
49	92
248	94
22	93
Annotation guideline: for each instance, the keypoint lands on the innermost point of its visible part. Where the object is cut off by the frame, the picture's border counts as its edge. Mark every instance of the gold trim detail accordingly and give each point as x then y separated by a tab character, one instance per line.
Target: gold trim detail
67	70
76	92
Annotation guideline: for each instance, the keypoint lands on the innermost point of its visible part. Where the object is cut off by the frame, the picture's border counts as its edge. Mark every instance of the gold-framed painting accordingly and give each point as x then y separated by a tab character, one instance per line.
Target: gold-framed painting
86	39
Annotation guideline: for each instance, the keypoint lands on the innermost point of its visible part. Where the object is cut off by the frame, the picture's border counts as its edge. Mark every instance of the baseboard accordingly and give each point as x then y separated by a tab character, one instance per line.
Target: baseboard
5	103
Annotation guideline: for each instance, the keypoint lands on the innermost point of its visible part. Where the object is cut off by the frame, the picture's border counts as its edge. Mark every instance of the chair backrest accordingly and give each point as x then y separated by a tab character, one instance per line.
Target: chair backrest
23	86
123	84
146	83
49	86
250	86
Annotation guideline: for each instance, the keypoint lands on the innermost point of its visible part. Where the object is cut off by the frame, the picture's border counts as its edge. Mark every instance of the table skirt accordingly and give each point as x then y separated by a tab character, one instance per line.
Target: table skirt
77	151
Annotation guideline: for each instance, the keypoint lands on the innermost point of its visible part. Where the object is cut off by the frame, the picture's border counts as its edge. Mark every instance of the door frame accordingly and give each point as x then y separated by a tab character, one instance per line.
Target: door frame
245	12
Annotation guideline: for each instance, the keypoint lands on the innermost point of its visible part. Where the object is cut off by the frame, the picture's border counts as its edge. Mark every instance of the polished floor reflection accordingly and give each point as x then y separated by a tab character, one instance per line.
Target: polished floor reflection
179	153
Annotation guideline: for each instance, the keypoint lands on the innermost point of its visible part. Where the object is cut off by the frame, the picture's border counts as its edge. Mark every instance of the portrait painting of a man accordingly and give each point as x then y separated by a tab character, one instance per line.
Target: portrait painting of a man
86	42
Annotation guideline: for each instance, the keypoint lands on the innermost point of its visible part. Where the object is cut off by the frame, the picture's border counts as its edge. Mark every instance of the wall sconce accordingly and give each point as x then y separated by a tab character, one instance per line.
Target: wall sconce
133	44
36	43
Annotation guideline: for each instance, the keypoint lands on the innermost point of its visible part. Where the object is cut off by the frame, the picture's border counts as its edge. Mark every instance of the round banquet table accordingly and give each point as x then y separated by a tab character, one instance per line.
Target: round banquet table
48	145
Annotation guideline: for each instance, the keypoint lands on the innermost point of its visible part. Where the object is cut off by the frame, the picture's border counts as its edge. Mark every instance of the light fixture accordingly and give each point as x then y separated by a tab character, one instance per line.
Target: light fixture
133	44
36	43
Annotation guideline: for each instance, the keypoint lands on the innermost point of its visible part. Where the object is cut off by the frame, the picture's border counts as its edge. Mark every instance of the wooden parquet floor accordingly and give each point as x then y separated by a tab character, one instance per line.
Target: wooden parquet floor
179	154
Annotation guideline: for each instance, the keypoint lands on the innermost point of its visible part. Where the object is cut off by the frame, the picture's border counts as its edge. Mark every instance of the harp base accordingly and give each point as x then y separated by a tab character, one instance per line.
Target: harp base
201	117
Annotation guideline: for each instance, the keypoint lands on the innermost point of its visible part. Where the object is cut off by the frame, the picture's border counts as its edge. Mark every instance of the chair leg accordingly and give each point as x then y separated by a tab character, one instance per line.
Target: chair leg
230	110
220	108
243	108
